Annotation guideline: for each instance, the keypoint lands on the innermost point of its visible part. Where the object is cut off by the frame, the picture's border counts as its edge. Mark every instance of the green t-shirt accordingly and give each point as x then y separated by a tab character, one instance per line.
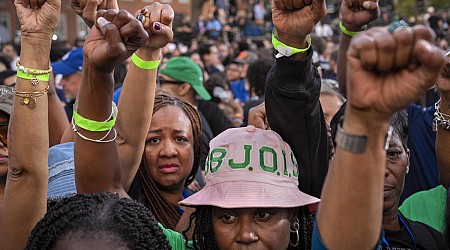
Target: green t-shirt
175	239
427	207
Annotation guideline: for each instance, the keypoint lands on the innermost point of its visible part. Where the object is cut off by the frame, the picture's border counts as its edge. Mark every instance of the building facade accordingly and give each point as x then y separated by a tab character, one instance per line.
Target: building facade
70	25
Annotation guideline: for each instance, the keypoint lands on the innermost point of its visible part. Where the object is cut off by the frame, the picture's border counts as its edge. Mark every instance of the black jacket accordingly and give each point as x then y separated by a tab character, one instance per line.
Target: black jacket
293	110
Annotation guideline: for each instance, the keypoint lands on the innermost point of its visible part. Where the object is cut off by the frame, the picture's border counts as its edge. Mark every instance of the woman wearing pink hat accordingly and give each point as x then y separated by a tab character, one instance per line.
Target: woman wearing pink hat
251	197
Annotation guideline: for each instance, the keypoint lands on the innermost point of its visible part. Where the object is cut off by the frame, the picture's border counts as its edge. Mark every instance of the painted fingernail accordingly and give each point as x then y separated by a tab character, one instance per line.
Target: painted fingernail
102	21
157	26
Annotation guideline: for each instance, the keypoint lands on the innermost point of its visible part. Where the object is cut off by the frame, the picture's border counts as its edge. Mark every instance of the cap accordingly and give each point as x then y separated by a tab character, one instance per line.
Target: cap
70	63
250	167
183	69
6	99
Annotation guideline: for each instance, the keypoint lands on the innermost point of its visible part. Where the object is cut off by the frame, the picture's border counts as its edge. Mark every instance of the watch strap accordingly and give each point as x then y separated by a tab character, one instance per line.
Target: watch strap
355	144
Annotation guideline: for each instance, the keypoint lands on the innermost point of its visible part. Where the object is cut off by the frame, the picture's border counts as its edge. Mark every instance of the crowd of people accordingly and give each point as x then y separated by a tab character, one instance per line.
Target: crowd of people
145	138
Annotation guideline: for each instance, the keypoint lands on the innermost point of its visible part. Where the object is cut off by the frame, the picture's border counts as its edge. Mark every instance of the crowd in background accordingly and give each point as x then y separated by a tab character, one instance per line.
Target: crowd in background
213	72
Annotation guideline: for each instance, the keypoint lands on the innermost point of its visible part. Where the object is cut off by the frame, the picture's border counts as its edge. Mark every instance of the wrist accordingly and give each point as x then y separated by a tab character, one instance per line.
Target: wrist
353	27
358	122
35	53
293	41
148	54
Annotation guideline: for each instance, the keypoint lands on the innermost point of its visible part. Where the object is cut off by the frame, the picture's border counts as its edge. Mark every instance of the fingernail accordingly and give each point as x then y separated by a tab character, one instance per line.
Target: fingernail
102	21
157	26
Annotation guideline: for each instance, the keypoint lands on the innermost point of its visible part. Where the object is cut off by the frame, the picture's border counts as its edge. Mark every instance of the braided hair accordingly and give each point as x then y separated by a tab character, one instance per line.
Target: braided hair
204	237
164	212
128	223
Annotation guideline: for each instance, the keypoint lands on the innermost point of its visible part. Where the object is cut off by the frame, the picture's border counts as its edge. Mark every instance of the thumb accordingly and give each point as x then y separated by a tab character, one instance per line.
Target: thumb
162	31
431	61
54	4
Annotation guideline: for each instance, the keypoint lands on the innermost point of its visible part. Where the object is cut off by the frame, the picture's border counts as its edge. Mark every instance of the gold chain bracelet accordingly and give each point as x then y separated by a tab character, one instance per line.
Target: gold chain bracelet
29	97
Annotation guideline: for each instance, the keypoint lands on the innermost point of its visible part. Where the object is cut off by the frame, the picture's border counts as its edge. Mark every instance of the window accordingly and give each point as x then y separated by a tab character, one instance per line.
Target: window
61	30
82	28
5	27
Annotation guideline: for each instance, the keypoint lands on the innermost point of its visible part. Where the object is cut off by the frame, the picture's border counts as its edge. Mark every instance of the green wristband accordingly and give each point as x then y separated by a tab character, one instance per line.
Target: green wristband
286	50
346	31
29	76
144	64
94	126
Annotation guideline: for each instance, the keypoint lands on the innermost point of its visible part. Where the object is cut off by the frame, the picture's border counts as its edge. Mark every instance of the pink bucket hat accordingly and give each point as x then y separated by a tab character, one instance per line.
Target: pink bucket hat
250	167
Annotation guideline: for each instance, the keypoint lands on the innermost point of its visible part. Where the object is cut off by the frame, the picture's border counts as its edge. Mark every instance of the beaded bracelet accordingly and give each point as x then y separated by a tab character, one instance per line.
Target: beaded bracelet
147	65
33	74
94	126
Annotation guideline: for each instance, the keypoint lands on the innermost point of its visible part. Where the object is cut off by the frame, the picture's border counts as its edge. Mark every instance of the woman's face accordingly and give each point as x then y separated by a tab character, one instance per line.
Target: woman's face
169	148
253	228
397	162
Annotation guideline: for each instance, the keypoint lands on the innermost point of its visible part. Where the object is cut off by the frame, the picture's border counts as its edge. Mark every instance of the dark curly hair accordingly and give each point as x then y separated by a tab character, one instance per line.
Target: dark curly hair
257	73
204	237
128	223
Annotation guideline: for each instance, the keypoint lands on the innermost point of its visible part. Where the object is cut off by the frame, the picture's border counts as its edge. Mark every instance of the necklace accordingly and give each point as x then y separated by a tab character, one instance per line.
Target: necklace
407	229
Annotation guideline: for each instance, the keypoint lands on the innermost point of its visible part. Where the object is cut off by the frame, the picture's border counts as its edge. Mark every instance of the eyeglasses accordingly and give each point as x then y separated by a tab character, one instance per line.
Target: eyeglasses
162	81
4	133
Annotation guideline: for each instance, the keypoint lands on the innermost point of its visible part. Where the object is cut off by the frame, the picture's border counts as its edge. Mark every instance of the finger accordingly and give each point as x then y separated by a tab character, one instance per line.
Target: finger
320	7
278	4
26	4
349	3
167	15
163	31
370	5
385	46
363	47
431	60
110	14
288	4
54	4
111	4
115	45
122	18
298	4
404	42
34	4
91	7
41	2
133	29
307	2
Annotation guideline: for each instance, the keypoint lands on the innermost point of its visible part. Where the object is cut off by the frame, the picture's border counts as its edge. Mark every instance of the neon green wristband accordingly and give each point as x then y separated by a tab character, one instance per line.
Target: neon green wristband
29	76
94	126
286	50
346	31
144	64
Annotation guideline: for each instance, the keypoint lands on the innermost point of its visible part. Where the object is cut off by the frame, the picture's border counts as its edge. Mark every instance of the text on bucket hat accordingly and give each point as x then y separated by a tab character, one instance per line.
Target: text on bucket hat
6	99
250	167
183	69
70	63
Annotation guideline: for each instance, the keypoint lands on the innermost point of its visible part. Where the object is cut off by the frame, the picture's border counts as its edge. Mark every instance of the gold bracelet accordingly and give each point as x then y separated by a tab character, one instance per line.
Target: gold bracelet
33	74
29	97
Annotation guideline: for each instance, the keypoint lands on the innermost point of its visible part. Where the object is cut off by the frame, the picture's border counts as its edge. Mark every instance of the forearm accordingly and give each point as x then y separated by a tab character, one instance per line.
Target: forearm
135	113
352	196
293	110
342	63
25	195
443	145
94	172
57	118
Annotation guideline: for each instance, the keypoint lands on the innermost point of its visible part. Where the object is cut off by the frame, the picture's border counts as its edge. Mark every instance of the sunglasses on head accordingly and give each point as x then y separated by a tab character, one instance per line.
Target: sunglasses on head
4	133
162	80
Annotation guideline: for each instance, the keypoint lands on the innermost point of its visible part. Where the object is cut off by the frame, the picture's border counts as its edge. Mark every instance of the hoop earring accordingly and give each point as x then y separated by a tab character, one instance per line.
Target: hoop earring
294	230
